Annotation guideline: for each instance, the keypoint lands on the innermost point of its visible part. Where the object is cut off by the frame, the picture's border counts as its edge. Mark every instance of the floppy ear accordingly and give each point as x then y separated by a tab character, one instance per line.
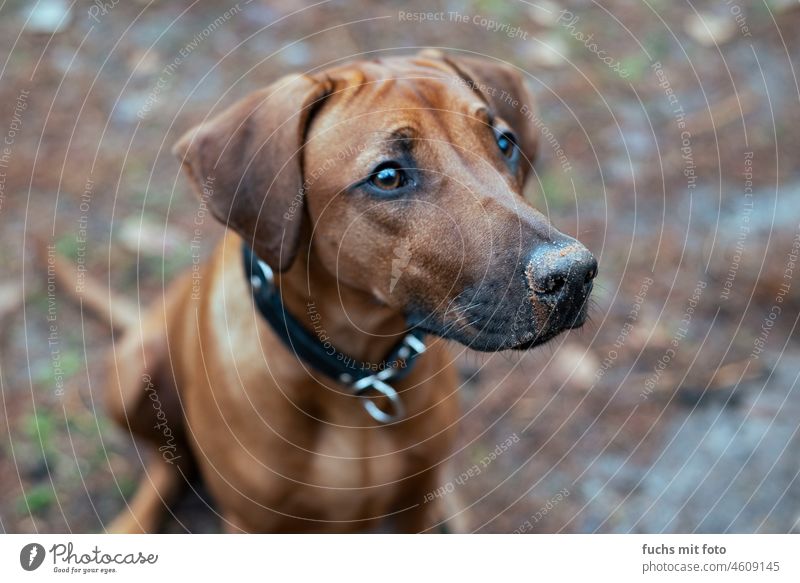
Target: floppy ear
505	90
246	164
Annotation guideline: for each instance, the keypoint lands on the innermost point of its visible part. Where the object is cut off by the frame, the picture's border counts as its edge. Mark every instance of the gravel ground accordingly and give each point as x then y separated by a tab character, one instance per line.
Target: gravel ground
643	421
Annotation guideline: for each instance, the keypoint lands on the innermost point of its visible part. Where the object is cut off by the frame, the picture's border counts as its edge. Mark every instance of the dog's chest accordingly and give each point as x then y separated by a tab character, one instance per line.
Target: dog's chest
358	458
361	473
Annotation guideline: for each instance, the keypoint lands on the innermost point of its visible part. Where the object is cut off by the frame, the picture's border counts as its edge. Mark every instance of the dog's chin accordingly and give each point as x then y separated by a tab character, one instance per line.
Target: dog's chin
543	338
488	342
482	340
537	340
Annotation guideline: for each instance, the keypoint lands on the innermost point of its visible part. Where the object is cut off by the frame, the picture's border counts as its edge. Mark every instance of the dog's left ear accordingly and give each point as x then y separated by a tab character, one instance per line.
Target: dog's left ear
246	164
505	90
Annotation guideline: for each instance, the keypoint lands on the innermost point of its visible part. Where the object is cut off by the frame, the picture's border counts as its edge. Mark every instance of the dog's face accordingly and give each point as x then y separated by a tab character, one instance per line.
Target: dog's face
408	175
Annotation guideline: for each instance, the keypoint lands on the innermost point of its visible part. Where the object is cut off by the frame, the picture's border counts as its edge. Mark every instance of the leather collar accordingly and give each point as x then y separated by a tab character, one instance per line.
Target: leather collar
364	379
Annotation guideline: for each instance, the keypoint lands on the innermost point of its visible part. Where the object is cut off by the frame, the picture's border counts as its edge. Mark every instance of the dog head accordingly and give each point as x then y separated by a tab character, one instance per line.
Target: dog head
407	174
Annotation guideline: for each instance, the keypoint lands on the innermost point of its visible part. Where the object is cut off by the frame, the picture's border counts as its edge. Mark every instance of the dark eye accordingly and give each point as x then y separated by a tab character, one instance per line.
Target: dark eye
507	143
388	176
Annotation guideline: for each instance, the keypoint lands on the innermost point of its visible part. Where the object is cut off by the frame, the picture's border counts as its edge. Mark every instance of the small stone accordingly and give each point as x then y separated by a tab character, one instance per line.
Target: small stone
544	12
576	363
550	52
139	234
48	16
10	298
710	29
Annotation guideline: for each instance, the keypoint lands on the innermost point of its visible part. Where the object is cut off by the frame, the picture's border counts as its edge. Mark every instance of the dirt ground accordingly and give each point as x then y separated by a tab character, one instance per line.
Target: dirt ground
669	147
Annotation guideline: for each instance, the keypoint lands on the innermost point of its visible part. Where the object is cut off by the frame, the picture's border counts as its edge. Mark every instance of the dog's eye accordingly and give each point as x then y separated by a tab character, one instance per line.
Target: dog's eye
388	176
507	143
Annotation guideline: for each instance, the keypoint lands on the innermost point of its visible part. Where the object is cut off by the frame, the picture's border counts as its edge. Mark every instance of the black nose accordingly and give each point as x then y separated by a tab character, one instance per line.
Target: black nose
561	272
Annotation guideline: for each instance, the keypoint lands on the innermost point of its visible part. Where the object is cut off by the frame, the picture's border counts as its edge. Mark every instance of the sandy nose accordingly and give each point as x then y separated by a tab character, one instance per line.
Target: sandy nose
561	270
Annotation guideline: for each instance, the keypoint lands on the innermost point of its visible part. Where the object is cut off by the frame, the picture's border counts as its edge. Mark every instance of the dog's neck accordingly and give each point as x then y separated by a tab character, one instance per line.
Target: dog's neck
353	320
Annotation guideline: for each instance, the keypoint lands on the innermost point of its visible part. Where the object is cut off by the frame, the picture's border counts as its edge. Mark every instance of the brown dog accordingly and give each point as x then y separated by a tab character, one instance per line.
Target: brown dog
384	195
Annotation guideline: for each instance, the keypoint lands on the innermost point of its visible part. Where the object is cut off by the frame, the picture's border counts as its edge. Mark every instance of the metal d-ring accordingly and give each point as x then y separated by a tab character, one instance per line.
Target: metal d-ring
266	270
375	383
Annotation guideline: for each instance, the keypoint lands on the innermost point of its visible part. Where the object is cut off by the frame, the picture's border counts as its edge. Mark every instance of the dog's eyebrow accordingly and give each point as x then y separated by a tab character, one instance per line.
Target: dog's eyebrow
483	113
403	137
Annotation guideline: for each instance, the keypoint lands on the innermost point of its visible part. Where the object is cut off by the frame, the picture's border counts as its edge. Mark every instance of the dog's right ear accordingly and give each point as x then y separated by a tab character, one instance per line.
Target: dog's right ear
246	164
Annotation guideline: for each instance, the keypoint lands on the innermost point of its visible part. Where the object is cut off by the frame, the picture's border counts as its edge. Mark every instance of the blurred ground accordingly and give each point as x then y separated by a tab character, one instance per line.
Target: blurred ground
675	410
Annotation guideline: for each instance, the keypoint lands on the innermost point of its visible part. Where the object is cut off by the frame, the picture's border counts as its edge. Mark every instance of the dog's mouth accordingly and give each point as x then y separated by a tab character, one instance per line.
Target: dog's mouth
537	340
500	331
541	339
498	340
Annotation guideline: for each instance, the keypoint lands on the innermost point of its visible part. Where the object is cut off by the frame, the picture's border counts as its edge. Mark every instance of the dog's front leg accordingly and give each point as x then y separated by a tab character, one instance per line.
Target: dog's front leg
158	488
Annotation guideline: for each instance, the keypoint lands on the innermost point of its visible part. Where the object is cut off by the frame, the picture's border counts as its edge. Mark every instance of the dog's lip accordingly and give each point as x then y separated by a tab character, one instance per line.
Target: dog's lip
540	339
537	340
526	345
532	341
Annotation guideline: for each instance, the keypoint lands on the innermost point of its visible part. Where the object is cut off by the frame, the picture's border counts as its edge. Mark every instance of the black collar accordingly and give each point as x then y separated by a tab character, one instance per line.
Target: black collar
363	378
